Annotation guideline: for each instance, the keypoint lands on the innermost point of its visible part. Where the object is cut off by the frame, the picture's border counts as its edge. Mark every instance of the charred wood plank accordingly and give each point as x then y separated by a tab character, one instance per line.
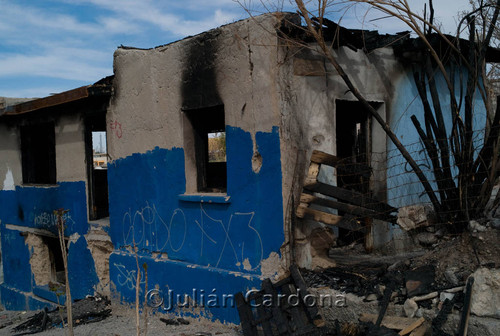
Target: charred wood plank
246	315
318	216
308	197
412	327
464	320
264	317
278	318
350	196
392	322
348	223
298	319
319	158
384	304
324	158
312	311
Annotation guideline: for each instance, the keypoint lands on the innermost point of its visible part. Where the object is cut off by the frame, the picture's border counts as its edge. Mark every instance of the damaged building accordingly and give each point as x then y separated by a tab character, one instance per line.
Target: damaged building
166	207
47	164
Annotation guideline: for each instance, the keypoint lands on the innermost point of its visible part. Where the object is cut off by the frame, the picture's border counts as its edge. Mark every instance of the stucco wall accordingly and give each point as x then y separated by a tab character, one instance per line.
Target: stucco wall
210	242
70	148
310	88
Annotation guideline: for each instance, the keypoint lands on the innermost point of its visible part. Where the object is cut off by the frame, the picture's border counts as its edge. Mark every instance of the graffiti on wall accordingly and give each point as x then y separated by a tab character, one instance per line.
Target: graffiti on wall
46	219
128	278
116	127
146	227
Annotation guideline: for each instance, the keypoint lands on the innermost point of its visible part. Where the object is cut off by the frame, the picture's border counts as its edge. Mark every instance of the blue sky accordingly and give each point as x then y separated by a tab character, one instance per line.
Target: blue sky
50	46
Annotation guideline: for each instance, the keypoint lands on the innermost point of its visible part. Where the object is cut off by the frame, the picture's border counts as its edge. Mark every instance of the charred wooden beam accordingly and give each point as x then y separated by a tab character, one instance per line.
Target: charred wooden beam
309	197
350	196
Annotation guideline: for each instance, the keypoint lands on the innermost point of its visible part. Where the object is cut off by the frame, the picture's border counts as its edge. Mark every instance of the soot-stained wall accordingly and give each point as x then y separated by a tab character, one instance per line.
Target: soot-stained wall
213	243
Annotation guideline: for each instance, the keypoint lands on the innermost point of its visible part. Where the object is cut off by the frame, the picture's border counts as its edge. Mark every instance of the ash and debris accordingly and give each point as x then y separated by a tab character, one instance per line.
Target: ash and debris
426	284
413	285
121	321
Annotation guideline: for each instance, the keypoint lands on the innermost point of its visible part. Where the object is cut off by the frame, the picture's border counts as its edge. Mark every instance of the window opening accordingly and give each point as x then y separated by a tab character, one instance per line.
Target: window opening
208	132
99	150
38	153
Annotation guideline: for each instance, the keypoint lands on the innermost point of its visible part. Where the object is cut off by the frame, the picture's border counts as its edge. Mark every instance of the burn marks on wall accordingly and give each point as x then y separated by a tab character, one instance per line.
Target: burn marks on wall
199	85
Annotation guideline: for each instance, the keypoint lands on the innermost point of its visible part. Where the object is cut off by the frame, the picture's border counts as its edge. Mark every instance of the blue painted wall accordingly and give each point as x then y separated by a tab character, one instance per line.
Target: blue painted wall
32	207
206	242
403	185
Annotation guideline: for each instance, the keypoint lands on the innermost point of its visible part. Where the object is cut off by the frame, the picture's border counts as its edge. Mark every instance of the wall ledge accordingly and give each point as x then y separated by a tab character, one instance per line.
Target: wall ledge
206	198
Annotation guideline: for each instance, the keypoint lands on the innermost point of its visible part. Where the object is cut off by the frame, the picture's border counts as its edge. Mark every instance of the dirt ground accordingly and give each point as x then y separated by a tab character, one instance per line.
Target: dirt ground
122	323
454	256
462	255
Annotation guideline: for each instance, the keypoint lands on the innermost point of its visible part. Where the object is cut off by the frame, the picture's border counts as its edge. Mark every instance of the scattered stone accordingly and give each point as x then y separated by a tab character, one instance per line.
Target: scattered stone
430	229
410	307
426	238
443	296
474	226
414	216
380	290
450	275
485	299
440	233
370	298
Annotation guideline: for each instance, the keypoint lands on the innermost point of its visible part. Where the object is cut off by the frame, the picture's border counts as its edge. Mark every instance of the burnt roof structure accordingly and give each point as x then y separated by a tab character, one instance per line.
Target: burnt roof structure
102	88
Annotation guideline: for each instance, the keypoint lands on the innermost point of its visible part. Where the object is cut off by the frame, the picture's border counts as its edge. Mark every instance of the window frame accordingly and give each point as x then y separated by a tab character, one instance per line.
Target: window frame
210	177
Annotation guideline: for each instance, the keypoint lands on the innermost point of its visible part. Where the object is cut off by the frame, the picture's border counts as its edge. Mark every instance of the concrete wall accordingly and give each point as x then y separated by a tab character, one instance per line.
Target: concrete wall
310	87
309	90
26	215
208	242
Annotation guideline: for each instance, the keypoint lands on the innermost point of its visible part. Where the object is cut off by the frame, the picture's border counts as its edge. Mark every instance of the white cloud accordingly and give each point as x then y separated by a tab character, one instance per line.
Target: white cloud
162	15
24	18
62	66
37	40
117	25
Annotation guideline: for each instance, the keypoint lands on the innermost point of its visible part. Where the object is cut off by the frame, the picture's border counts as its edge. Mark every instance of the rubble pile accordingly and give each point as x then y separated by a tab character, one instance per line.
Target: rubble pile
428	291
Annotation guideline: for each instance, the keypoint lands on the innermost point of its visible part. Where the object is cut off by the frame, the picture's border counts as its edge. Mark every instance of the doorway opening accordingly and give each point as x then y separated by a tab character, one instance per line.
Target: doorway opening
353	135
